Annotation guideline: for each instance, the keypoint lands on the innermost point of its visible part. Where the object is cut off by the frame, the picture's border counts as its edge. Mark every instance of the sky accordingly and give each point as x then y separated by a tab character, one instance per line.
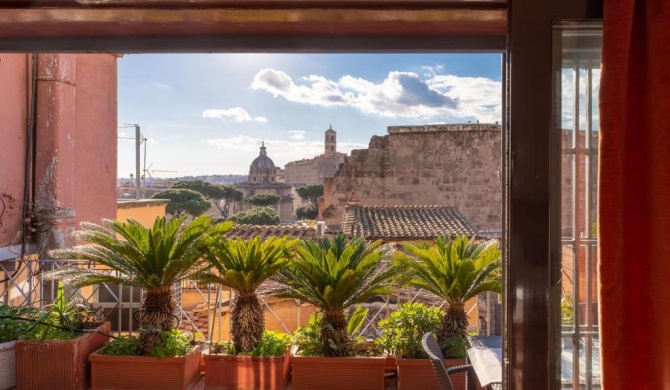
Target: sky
207	114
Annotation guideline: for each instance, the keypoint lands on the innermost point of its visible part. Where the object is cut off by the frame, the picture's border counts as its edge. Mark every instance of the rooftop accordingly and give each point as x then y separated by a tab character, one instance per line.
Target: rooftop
404	222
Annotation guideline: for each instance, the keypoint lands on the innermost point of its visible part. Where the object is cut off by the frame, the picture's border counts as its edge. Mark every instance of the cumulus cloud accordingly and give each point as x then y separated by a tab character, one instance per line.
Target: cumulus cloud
400	95
297	134
281	151
236	114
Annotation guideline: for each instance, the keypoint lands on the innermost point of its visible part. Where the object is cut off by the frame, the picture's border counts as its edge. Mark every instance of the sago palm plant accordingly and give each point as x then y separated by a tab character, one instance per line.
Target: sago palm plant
243	266
334	275
454	270
153	259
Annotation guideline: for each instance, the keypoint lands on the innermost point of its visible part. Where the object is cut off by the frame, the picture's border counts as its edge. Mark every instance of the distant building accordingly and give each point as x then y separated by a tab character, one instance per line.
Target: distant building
456	165
263	180
314	170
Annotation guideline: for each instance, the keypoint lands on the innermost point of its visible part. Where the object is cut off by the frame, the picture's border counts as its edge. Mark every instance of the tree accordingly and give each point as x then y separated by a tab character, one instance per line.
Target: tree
307	212
220	195
256	216
261	200
243	266
333	275
153	259
454	270
311	193
183	201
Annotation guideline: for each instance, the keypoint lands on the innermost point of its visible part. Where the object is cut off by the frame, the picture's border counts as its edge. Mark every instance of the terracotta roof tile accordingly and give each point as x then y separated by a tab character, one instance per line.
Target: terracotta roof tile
404	222
250	231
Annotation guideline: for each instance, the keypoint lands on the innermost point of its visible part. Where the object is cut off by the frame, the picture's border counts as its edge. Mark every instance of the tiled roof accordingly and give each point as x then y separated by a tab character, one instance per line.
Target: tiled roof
404	222
249	231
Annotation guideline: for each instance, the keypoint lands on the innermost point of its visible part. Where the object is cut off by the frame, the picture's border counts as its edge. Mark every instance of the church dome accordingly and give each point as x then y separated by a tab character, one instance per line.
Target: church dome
262	161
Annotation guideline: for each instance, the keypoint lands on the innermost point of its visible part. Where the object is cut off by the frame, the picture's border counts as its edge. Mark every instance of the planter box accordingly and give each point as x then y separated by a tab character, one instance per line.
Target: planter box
418	374
333	373
143	372
7	366
57	364
223	372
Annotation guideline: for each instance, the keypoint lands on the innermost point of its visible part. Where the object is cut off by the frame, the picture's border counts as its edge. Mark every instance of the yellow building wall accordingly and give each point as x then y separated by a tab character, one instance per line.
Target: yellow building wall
144	211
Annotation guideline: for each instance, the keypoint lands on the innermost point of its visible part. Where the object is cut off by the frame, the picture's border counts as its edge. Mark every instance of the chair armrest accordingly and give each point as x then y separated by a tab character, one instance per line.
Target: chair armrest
469	373
457	369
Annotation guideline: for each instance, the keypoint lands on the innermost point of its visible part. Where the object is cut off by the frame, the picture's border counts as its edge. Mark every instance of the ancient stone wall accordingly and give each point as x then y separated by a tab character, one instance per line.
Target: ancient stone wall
455	165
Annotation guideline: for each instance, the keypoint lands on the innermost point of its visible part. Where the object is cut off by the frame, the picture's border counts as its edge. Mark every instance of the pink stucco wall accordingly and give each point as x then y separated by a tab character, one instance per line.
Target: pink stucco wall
75	162
13	114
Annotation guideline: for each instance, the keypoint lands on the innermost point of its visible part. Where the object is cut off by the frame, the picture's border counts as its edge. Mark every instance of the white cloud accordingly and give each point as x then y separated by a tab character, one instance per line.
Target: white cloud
401	94
161	86
236	114
297	134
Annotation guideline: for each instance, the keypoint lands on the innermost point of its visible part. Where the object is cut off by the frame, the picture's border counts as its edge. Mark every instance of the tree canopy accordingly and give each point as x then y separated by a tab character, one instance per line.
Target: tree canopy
183	202
221	195
264	199
307	212
311	193
256	216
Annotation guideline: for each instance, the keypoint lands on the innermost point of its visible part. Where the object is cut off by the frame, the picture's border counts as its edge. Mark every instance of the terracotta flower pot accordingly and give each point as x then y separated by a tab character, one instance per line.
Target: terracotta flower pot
418	374
333	373
7	365
142	372
57	364
223	372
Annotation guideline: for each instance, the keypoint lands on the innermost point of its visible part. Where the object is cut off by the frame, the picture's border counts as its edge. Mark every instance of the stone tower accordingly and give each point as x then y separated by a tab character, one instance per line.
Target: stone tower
331	142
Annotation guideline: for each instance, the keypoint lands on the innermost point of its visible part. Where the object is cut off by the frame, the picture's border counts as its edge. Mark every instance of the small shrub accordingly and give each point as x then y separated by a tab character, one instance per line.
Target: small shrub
14	321
308	337
62	320
174	344
270	344
404	329
122	346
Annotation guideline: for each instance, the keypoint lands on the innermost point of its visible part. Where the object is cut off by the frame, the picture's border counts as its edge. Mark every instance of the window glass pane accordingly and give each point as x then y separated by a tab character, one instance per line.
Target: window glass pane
577	70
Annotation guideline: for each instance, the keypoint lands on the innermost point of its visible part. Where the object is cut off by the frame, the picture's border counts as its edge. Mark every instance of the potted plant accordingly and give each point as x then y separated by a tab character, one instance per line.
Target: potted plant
333	275
154	259
401	337
255	359
454	270
13	323
67	332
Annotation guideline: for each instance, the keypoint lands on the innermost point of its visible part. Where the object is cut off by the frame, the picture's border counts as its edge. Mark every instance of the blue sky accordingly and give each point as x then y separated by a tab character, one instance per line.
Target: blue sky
208	113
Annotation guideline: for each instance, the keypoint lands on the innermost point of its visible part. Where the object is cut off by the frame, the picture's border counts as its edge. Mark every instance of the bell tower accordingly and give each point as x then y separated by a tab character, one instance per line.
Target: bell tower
330	142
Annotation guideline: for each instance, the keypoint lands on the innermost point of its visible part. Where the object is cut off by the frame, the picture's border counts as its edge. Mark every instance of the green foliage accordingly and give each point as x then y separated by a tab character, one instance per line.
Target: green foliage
12	324
244	265
567	309
174	344
454	270
122	346
336	274
153	258
221	195
311	193
256	216
62	320
270	344
403	330
333	275
307	212
308	337
183	201
261	200
149	258
454	347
